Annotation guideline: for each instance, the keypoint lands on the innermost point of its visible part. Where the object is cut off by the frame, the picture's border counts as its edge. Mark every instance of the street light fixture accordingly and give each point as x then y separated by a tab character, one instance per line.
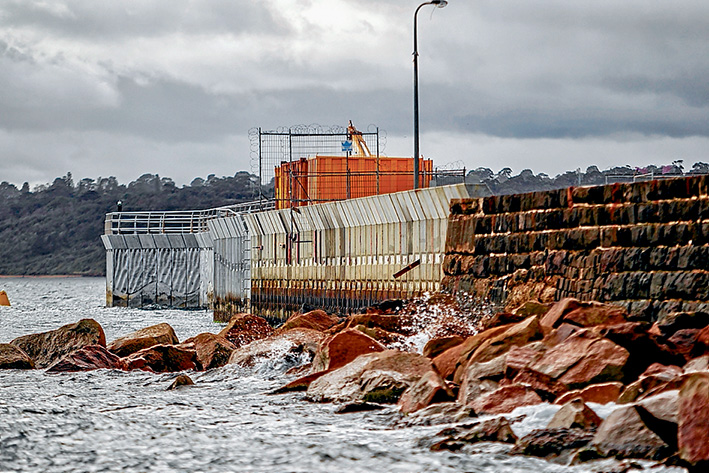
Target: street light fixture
438	4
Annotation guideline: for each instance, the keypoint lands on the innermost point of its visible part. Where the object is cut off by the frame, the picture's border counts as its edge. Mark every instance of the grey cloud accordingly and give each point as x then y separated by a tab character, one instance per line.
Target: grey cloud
514	69
112	20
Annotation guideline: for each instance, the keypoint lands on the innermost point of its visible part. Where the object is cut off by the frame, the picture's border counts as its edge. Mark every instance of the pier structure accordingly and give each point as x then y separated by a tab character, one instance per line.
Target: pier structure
341	256
168	259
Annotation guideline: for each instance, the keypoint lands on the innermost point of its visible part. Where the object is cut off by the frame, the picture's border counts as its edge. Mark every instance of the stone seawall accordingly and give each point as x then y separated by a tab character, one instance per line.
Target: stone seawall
642	245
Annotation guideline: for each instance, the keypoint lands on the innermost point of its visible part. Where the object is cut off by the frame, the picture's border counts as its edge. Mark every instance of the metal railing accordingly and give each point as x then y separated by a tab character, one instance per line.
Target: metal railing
177	221
648	176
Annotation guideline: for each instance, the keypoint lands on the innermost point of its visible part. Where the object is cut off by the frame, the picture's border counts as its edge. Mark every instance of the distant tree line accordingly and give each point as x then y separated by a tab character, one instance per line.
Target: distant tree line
55	228
486	182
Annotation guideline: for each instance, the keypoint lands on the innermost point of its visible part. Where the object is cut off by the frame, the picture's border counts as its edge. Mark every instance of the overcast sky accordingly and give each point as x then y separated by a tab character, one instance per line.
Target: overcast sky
126	87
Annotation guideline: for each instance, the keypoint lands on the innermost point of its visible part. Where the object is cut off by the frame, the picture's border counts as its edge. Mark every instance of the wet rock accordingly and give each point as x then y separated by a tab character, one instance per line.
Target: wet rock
160	334
430	389
497	429
180	381
494	369
358	407
684	342
439	413
314	320
212	350
243	329
697	364
591	314
402	324
656	379
547	388
662	372
603	361
602	393
520	358
300	384
518	334
532	308
553	317
693	433
506	399
504	318
436	346
624	435
669	324
14	358
560	358
375	377
448	362
380	335
337	350
389	306
473	388
162	359
300	370
292	343
580	361
560	334
551	442
663	406
701	346
48	347
92	357
644	347
575	414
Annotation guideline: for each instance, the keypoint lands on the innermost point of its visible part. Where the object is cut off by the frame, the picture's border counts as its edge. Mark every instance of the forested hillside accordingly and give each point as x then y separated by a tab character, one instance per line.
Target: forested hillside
55	228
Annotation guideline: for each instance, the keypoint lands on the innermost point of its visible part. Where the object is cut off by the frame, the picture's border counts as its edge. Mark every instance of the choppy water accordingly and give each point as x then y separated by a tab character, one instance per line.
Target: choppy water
115	421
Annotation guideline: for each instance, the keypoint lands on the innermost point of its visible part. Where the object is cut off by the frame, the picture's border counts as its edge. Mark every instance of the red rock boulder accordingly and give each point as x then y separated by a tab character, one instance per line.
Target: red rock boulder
448	362
430	389
14	358
162	359
553	317
243	329
92	357
580	361
506	399
590	314
602	393
160	334
518	334
575	414
693	432
624	434
299	384
436	346
402	324
339	349
314	320
48	347
375	377
293	343
181	381
212	350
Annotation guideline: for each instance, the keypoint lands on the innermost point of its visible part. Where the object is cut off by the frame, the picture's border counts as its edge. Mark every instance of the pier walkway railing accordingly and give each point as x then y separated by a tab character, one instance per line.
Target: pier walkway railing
189	221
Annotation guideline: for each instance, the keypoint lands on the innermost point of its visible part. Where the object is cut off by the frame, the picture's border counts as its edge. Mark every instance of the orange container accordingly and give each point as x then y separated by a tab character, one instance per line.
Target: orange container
326	178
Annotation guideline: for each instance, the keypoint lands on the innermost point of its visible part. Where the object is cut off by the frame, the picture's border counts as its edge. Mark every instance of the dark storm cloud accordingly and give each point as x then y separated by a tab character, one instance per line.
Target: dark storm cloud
110	19
162	73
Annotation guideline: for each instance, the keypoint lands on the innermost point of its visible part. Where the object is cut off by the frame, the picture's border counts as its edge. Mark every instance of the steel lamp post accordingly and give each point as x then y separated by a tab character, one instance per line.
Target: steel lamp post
438	4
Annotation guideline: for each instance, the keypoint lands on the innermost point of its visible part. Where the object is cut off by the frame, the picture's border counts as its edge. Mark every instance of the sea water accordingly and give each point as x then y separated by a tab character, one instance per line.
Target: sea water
115	421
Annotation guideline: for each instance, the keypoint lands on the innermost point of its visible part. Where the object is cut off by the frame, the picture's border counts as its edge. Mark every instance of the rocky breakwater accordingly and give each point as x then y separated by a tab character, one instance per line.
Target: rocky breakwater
570	355
82	347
